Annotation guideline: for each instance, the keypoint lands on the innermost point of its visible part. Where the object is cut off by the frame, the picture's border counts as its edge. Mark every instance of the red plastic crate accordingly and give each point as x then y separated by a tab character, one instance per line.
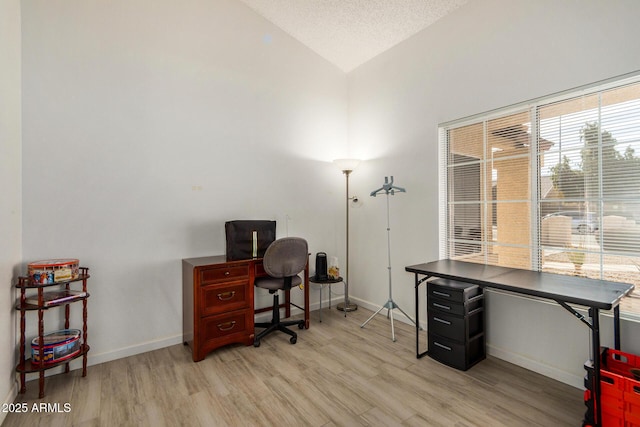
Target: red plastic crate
632	404
619	362
616	365
634	422
610	419
611	391
612	415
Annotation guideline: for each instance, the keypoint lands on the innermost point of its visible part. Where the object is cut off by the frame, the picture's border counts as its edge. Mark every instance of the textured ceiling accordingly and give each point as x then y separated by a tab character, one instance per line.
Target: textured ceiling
350	32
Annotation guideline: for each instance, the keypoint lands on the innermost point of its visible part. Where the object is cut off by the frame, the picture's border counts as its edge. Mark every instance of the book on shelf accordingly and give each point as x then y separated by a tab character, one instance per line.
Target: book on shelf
55	297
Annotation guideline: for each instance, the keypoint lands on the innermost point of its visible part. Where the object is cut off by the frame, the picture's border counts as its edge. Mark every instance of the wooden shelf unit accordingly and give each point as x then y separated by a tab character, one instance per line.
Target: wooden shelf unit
27	365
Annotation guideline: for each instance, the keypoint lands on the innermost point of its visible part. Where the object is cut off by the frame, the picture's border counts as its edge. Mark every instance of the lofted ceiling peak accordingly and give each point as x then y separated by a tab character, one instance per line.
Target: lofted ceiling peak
350	32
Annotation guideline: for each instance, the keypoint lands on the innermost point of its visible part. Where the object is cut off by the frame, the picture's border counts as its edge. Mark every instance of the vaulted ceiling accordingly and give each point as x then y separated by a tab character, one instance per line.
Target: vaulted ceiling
350	32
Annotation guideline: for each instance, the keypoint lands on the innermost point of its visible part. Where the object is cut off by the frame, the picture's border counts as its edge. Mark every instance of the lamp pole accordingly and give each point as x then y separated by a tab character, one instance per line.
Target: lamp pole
347	166
347	305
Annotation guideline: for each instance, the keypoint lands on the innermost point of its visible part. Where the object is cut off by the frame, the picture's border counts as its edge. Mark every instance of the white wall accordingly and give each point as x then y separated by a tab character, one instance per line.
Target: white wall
486	55
147	125
10	202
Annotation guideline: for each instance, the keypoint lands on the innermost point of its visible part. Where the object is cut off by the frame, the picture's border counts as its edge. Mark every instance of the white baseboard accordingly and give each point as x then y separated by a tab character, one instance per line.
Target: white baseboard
96	359
499	353
516	359
9	399
535	366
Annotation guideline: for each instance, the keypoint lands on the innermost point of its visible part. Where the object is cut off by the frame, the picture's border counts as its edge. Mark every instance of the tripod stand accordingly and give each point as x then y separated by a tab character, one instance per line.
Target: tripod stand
390	305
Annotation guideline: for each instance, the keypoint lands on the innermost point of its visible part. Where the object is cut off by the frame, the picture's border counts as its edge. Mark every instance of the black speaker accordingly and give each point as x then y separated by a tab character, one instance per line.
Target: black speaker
321	266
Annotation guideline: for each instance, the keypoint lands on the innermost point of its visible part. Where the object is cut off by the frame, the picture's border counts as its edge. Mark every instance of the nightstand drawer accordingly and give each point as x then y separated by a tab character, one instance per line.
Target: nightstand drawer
220	298
223	274
225	325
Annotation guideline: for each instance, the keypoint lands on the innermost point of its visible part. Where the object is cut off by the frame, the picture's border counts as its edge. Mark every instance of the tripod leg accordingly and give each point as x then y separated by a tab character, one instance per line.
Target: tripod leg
406	315
372	316
393	332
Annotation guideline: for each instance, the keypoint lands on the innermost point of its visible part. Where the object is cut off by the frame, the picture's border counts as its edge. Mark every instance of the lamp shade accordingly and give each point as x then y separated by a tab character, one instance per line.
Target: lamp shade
346	164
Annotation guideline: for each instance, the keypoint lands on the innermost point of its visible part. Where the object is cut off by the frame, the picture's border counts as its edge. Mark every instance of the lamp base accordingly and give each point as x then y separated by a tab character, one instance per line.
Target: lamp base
349	306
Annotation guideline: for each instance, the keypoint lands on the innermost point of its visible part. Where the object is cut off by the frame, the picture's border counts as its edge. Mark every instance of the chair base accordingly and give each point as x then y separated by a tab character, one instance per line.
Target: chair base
277	325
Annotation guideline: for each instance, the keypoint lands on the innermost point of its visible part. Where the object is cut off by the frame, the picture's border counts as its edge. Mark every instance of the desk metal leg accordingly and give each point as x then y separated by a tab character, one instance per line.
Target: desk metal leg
320	303
595	346
616	327
417	318
417	322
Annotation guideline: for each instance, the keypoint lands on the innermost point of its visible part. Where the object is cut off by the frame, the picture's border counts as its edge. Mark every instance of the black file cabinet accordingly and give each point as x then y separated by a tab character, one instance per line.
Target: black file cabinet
455	325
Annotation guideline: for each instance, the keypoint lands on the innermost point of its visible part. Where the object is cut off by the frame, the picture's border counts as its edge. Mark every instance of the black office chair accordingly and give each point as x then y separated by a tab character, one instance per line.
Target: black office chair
283	260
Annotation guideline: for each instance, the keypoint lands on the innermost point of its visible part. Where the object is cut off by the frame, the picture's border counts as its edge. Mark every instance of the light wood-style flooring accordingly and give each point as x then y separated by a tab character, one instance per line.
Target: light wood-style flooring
338	374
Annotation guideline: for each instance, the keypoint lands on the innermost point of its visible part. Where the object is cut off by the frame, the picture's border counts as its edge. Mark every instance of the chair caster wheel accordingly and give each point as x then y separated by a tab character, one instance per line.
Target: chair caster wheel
256	343
293	340
301	325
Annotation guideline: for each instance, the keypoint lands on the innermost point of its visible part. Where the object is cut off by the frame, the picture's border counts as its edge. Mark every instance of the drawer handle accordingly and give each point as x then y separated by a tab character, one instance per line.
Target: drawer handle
437	319
442	346
444	307
442	294
227	326
226	296
226	273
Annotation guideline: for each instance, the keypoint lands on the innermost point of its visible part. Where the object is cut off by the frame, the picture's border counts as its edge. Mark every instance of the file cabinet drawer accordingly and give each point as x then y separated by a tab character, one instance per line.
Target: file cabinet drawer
450	290
459	309
454	354
446	325
459	328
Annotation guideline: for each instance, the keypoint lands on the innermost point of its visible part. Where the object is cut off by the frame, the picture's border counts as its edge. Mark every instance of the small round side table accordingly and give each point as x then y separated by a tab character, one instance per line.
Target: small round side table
323	283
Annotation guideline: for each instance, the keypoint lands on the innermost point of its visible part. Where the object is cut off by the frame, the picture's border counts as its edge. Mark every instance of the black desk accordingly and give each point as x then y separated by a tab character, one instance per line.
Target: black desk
594	294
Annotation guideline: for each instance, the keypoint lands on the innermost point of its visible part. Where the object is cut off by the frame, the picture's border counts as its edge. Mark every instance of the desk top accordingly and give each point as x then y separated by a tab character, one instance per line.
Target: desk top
600	294
216	259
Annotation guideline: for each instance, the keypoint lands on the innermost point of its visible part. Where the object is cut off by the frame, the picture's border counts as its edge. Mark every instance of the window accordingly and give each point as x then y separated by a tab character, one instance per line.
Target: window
553	185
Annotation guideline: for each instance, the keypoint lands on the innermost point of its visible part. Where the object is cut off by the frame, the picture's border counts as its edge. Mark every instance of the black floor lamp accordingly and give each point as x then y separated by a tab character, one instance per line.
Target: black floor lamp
347	166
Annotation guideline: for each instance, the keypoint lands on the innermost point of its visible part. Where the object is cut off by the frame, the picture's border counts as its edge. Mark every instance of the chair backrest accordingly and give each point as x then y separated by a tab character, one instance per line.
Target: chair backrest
286	257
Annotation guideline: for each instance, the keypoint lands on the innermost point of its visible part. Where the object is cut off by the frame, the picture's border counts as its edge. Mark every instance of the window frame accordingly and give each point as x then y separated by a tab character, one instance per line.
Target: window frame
533	107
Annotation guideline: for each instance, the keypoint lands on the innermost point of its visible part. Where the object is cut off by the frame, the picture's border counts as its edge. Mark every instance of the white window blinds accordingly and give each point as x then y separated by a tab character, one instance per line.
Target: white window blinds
553	185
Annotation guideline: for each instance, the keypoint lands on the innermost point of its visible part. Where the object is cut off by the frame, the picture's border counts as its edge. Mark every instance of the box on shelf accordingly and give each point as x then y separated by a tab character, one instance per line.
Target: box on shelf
53	270
58	346
56	297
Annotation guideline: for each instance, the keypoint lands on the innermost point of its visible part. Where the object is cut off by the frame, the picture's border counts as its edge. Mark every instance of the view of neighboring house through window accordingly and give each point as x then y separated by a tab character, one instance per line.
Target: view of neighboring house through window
553	186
